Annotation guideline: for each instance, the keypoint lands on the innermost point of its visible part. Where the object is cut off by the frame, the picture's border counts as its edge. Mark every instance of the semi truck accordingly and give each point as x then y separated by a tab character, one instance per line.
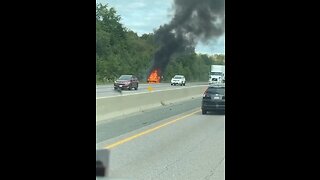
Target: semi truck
217	74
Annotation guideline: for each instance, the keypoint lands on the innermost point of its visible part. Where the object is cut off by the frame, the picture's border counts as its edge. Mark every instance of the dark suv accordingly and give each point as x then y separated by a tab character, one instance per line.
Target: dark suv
213	99
126	82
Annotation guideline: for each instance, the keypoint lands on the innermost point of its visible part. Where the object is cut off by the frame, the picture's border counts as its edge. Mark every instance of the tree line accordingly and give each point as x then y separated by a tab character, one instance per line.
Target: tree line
119	51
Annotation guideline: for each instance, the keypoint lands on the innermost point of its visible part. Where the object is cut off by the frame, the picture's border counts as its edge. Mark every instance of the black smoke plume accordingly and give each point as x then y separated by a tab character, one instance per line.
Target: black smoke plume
193	21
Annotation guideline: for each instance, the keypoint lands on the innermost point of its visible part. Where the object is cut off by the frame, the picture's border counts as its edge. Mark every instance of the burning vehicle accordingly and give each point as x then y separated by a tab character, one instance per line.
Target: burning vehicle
154	77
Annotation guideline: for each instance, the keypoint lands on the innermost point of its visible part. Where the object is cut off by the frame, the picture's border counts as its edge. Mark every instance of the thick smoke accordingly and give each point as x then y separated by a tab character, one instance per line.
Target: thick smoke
193	21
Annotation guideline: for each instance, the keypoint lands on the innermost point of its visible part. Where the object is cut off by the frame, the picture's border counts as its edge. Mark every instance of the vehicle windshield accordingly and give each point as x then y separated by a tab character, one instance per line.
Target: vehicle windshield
216	90
216	73
125	77
177	77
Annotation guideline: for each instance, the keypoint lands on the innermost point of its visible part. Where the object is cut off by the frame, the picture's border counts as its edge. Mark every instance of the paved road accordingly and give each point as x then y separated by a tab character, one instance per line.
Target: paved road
107	90
185	145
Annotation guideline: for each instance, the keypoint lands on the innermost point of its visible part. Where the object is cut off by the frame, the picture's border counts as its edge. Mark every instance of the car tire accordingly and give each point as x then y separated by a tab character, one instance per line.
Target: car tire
204	111
129	87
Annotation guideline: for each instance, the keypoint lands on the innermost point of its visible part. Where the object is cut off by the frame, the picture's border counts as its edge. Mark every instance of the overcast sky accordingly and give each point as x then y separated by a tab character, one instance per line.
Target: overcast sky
144	16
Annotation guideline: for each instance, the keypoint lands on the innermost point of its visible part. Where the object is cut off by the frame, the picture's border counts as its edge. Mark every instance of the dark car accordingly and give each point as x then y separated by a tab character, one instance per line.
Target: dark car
126	82
213	99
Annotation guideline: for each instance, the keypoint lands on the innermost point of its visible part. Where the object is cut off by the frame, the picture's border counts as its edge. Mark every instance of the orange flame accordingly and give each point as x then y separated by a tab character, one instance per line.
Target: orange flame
154	77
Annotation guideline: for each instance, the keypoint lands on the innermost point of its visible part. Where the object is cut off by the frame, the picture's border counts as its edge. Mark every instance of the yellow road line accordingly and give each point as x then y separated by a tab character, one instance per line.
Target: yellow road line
147	131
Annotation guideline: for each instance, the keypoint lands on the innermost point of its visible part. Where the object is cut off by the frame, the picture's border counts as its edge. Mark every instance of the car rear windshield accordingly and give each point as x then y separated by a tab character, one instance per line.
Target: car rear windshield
178	77
125	77
216	90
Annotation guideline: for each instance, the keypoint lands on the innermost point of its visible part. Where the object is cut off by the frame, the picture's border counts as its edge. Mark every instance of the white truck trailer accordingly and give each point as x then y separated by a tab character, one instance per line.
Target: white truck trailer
217	74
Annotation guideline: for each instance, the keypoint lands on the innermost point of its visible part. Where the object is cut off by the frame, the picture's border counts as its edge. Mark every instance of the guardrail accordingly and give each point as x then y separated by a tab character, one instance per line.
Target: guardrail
110	107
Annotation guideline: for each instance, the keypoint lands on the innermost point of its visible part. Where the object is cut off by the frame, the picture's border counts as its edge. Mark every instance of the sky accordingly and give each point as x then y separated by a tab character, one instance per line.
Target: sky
145	16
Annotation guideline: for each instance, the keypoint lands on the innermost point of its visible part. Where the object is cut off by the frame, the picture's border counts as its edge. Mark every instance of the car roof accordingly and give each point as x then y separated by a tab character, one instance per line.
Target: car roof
216	87
126	75
178	76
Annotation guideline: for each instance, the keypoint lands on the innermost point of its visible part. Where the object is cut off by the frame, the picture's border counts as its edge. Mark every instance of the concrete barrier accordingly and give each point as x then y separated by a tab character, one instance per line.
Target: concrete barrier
110	107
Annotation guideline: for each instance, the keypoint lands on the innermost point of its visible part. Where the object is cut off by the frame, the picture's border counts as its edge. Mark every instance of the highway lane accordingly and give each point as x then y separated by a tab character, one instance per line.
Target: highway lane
107	90
187	145
117	126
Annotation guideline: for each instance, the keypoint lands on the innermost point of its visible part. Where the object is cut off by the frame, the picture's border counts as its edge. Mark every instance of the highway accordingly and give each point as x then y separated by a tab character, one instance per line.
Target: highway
168	142
107	90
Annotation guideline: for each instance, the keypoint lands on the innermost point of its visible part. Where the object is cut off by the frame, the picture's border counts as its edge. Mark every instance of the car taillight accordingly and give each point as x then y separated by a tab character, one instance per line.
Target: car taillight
205	94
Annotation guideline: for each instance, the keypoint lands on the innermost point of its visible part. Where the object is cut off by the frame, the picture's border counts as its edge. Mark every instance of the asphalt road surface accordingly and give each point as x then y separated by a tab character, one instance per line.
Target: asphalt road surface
170	142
